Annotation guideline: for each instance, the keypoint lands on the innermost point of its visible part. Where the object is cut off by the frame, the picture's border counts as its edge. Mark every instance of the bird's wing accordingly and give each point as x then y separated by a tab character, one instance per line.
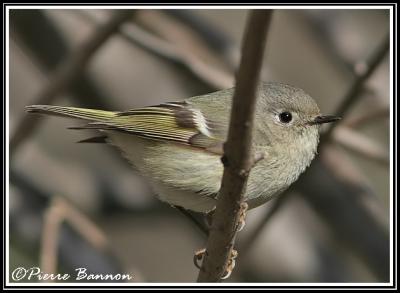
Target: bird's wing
179	122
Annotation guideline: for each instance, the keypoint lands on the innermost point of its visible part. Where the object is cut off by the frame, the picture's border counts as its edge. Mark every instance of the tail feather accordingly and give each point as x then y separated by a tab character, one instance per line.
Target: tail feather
79	113
186	126
95	139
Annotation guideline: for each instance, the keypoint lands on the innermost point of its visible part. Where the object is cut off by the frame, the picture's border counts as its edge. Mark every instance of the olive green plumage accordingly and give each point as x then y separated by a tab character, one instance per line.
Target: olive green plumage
178	145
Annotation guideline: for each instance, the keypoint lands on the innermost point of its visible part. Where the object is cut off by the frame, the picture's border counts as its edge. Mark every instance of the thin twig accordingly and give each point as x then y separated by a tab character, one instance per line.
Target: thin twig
238	157
195	221
66	74
353	93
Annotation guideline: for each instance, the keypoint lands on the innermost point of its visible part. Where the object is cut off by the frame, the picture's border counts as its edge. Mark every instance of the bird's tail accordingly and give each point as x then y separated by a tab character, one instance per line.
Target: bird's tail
155	122
79	113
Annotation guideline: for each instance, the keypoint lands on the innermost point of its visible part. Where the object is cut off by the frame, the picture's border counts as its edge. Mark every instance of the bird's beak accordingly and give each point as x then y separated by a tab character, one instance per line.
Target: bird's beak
324	119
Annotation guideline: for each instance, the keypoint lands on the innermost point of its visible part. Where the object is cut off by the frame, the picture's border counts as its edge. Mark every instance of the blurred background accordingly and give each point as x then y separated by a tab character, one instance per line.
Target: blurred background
81	205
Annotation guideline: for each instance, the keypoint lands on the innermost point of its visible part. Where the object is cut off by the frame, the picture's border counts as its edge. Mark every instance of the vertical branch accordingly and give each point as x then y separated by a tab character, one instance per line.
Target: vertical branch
50	238
66	74
238	157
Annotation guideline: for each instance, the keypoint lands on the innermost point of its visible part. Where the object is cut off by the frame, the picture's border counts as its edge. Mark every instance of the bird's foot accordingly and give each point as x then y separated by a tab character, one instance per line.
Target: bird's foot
231	265
242	216
198	257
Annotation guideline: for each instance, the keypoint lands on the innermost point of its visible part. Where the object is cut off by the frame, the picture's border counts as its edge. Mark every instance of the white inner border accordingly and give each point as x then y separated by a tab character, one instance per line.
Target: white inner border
6	46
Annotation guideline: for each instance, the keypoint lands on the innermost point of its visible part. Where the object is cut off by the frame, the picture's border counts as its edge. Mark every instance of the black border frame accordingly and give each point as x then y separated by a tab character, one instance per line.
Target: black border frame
238	285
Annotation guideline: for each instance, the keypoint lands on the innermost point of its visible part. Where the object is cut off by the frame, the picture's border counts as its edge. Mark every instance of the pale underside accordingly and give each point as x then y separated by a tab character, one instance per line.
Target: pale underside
178	147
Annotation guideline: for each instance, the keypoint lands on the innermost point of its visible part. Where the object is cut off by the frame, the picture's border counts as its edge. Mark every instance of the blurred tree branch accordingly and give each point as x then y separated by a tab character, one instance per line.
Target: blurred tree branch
194	220
58	212
324	29
374	249
33	202
50	239
353	94
215	38
255	233
329	214
371	116
66	74
238	157
33	31
361	144
357	227
344	201
211	75
340	205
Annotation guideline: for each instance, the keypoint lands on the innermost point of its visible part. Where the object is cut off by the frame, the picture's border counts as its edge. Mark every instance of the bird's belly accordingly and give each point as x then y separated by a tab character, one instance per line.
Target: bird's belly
186	199
191	178
179	175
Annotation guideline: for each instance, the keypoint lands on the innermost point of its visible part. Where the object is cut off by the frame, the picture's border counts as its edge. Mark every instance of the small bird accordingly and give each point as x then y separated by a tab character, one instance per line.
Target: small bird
177	146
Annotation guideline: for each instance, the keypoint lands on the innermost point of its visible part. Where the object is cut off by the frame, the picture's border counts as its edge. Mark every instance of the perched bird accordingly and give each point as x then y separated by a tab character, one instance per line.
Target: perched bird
177	146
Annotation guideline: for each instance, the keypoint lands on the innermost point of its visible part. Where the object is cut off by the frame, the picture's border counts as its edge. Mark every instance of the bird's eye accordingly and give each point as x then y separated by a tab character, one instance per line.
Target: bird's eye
285	117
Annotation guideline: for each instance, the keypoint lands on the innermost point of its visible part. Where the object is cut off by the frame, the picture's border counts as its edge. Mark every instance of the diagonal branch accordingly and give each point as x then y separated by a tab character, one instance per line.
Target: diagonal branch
361	144
59	212
66	74
214	77
238	157
354	92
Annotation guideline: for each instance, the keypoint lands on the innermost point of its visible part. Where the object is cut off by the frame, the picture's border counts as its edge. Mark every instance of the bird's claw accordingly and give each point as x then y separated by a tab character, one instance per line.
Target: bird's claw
231	265
242	216
198	256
